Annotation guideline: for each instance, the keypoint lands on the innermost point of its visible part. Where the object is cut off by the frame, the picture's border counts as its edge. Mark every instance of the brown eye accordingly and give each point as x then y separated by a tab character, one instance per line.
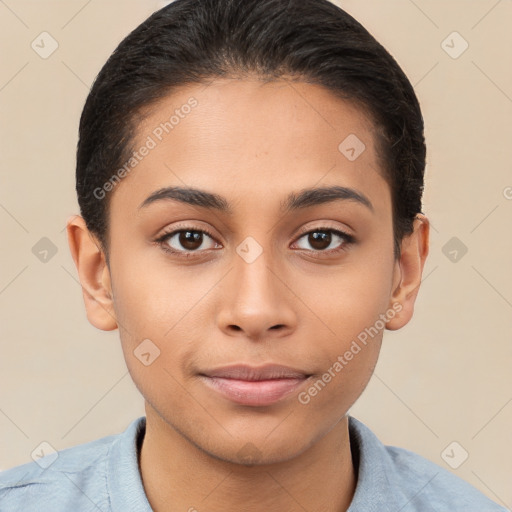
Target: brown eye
190	240
186	241
320	240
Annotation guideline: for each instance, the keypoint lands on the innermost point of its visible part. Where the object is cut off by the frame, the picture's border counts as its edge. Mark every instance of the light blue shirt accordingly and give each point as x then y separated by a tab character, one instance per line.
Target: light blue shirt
103	476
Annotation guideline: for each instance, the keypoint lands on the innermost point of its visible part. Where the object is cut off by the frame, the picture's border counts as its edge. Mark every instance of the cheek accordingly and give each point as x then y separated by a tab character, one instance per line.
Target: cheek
352	304
152	296
160	316
348	347
342	381
351	298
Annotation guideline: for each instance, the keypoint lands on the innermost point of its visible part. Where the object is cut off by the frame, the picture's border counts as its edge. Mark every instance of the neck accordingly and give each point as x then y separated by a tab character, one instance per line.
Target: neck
179	476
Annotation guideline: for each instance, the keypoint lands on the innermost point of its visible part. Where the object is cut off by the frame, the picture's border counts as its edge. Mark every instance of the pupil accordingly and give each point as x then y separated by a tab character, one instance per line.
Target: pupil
190	239
193	239
319	239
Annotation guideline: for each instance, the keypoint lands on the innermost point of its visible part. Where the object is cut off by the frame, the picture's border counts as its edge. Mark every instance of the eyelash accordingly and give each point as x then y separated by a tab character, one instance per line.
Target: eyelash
161	240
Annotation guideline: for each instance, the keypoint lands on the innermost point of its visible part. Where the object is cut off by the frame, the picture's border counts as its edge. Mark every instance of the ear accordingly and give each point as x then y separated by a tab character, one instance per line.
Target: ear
407	273
94	274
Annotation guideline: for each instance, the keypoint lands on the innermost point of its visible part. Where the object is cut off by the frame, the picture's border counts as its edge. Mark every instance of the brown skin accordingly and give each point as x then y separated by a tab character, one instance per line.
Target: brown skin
252	143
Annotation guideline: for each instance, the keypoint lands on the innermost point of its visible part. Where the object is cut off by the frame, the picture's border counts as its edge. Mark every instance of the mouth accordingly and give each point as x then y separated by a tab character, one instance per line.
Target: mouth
255	386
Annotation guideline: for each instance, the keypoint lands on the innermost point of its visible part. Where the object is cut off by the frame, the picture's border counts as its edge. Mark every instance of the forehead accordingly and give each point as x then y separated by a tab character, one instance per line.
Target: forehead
248	138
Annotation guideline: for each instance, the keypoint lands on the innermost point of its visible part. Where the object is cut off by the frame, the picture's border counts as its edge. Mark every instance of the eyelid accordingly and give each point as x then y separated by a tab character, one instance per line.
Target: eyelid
184	226
348	240
168	233
325	227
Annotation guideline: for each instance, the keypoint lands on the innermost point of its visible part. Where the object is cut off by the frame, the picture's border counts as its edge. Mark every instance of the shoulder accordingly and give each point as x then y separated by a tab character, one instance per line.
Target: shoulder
64	478
410	481
436	485
75	478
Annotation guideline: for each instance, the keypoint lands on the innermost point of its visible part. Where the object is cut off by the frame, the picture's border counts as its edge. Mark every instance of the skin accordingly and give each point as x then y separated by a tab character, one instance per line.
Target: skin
252	143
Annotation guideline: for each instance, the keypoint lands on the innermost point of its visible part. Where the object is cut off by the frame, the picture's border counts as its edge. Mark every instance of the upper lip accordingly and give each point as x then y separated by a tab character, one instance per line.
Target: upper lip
247	372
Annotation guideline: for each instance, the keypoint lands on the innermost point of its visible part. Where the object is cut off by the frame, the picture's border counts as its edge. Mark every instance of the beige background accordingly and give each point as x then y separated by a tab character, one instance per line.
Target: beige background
445	377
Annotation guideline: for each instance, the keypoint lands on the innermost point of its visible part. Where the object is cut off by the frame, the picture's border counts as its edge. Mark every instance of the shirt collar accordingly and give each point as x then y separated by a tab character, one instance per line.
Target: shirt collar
124	481
377	488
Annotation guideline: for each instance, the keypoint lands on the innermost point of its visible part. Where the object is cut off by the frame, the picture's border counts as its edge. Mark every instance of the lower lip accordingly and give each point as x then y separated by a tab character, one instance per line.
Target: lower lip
254	392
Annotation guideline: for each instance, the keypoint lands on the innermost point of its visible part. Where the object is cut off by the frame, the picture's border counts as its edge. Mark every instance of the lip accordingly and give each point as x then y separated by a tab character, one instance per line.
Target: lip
254	373
256	386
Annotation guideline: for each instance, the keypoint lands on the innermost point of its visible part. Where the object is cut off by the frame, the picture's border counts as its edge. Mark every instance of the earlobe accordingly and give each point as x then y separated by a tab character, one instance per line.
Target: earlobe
94	274
408	272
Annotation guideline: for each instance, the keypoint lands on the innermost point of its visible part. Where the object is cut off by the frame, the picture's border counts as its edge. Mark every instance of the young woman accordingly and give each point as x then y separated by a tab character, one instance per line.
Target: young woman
250	176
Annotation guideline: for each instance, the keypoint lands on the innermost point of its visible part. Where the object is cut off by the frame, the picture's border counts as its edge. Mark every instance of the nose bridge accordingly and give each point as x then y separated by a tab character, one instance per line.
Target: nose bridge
257	298
255	278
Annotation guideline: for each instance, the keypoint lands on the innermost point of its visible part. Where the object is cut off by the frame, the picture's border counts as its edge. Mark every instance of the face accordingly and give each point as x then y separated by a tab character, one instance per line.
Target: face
259	274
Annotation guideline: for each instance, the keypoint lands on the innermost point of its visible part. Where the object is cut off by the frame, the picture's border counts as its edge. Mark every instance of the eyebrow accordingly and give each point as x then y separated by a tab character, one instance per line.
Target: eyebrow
295	201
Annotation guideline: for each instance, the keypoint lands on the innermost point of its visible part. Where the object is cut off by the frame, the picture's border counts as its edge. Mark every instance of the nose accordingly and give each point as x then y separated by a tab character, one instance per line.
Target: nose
256	300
